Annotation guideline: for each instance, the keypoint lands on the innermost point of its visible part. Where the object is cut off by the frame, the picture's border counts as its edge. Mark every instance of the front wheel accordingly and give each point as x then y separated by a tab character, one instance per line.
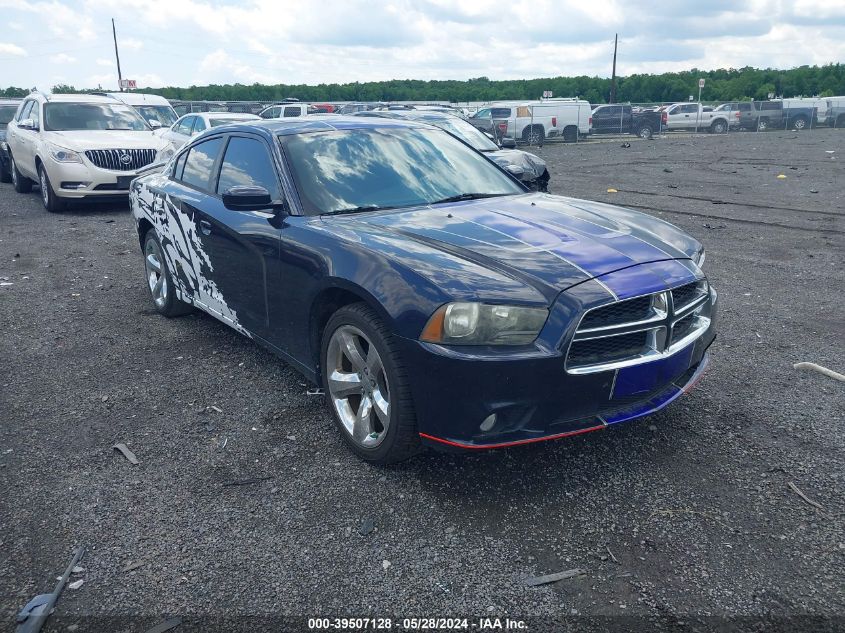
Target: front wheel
51	201
800	123
21	183
367	388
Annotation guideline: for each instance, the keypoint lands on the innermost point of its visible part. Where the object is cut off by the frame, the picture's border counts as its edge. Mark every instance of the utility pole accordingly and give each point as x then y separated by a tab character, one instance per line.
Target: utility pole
117	57
613	77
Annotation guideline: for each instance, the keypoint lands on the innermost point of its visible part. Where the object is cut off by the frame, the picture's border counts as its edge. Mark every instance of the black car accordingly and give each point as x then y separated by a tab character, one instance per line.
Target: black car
8	107
435	299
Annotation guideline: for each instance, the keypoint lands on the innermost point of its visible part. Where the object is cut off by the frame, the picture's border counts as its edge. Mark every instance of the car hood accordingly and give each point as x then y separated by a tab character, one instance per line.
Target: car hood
532	166
81	140
549	242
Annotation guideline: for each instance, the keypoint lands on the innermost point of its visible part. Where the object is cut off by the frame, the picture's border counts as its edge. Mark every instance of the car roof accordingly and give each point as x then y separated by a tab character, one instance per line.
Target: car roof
317	123
244	116
77	98
139	98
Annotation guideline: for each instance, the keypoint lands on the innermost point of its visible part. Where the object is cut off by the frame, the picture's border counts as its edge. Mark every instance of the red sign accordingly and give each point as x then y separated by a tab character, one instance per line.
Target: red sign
128	84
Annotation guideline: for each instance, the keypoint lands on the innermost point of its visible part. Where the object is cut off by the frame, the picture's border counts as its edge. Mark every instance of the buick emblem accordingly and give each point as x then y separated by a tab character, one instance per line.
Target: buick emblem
125	158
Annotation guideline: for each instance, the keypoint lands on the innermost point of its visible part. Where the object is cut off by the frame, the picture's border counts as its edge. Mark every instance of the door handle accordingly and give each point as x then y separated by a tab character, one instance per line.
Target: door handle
205	227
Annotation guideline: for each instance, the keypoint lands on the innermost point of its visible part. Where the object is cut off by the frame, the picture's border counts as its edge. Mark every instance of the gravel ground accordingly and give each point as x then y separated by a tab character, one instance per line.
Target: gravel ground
679	519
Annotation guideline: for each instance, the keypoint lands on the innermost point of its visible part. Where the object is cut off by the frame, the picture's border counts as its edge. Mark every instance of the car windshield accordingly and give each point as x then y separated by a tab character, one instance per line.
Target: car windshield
354	170
91	116
467	132
162	114
7	113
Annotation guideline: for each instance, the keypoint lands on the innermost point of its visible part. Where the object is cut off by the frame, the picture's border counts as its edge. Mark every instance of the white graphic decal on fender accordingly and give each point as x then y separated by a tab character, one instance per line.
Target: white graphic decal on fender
189	264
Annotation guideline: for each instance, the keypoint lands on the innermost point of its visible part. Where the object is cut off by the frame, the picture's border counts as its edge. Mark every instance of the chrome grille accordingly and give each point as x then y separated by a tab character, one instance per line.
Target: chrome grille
639	330
121	159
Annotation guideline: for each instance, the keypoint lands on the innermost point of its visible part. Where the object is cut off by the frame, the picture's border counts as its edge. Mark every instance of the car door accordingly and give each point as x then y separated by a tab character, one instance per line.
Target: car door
240	248
23	149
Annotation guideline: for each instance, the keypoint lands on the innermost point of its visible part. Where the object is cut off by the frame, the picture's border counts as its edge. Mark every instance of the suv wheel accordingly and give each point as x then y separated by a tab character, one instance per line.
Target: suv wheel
51	201
366	386
21	183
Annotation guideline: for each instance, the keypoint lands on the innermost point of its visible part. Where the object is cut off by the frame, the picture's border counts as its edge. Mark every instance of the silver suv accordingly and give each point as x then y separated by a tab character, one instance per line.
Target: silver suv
78	147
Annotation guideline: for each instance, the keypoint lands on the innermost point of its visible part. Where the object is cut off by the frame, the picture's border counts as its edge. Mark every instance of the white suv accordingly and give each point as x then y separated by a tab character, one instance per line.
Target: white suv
78	147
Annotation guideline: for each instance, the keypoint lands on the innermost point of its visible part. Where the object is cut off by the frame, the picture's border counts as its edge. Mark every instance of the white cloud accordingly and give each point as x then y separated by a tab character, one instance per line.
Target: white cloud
11	49
108	63
62	58
130	43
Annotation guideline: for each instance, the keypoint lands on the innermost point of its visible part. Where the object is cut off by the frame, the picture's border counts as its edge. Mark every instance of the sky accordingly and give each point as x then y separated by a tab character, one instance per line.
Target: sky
192	42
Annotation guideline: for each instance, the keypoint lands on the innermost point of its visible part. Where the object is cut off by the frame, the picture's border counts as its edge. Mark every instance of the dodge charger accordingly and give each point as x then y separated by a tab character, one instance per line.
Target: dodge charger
433	297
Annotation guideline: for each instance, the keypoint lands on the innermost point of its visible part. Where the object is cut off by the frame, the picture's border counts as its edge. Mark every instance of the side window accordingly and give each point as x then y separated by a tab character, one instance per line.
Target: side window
482	114
199	163
247	162
179	166
184	126
293	111
25	109
35	115
199	125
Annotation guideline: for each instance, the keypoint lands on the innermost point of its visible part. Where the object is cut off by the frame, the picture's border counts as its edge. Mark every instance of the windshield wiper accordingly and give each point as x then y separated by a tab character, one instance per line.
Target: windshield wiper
468	196
361	209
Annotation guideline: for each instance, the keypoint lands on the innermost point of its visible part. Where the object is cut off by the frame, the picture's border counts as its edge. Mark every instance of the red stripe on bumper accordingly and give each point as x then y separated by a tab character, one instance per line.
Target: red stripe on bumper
515	443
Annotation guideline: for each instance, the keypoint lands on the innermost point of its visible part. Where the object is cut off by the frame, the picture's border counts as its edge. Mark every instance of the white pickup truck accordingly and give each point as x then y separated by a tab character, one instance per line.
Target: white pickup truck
535	121
692	116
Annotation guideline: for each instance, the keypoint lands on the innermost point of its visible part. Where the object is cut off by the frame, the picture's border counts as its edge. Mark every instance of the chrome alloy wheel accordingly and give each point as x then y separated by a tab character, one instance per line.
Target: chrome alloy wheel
357	386
45	191
156	277
14	169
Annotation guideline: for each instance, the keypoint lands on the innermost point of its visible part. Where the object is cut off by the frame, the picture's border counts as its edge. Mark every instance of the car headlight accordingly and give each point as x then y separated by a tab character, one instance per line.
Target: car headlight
482	324
63	155
698	257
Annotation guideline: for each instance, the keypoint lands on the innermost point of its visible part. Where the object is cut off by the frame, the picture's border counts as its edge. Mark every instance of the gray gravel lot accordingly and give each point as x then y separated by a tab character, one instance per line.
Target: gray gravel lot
679	517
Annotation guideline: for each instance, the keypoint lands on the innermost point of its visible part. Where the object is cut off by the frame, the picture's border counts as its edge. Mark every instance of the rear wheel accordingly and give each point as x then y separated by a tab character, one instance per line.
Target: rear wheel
800	123
645	132
840	121
160	281
367	388
763	125
570	134
51	201
718	127
21	183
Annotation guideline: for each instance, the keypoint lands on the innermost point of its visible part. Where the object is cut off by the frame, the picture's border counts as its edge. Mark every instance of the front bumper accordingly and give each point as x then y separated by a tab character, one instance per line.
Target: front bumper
534	398
85	180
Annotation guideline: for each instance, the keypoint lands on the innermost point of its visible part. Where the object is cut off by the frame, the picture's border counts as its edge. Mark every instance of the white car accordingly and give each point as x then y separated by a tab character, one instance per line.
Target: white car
285	110
193	123
154	109
78	147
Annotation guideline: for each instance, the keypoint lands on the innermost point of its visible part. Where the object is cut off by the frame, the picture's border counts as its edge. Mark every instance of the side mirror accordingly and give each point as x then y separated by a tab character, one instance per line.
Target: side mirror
154	123
508	143
27	124
247	198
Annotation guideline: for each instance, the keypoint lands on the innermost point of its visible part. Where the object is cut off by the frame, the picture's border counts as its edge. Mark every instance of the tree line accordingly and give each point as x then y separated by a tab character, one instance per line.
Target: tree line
720	85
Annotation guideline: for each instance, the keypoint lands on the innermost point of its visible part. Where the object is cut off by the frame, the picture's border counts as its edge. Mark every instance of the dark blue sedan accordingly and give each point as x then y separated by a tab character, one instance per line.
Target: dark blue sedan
433	297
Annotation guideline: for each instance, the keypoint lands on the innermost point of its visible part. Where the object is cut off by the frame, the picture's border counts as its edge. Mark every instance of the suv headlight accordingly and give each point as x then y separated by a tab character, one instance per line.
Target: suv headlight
62	155
698	257
482	324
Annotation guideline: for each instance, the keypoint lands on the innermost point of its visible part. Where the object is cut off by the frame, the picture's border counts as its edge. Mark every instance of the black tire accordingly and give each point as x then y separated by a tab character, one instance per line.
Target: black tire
762	125
800	123
51	201
5	174
570	134
645	132
718	127
402	440
21	183
840	121
534	135
171	306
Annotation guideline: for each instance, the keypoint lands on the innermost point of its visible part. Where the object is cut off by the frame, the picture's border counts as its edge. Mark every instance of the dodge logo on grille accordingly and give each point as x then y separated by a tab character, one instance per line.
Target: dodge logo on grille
125	158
